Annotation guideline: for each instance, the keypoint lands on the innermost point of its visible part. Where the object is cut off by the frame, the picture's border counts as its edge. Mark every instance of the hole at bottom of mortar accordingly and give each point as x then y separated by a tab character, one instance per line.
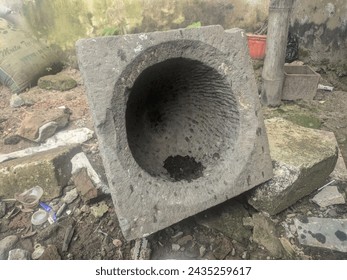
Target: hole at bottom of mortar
183	168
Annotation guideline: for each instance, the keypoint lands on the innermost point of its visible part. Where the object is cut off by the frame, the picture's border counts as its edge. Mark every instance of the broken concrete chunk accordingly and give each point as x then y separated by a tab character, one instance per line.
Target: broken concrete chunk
265	234
59	82
40	125
50	170
330	195
303	158
84	185
70	196
323	233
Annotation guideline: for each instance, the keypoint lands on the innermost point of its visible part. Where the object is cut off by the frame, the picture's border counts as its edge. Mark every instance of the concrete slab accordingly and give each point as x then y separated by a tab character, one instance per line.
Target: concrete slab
178	119
303	158
323	233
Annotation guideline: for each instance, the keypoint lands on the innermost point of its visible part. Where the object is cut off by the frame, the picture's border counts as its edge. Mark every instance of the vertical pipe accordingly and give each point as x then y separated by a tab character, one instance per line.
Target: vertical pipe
276	43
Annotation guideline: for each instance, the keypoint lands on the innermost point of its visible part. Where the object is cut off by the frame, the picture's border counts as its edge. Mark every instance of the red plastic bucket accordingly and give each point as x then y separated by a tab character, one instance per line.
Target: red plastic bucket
256	45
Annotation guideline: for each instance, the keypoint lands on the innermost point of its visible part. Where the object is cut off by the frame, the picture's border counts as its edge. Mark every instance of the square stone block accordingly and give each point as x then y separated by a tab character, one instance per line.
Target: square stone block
178	119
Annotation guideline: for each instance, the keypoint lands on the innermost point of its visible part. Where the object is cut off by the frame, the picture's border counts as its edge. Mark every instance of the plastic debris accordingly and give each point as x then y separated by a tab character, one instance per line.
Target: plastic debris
326	88
51	214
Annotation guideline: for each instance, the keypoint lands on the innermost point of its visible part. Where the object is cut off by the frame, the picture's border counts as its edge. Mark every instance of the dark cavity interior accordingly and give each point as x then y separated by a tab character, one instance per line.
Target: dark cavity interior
180	112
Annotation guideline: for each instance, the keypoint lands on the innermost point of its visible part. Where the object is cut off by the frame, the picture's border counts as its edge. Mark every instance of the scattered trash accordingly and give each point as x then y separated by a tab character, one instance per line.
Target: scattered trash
28	232
328	184
61	210
68	237
326	88
51	215
117	243
38	251
6	245
30	198
39	217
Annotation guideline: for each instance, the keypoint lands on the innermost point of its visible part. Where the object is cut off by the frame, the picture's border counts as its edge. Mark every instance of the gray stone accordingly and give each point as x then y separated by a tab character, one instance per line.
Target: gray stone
6	245
19	254
16	101
185	95
323	233
59	82
12	140
70	196
223	249
303	158
50	170
175	247
330	195
265	234
228	219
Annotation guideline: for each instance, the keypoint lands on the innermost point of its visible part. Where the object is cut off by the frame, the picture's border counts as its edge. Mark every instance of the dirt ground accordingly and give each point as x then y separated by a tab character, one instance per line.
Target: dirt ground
101	238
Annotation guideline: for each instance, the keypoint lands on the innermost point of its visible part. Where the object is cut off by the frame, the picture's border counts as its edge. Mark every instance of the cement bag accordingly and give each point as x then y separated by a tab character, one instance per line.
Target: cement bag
23	59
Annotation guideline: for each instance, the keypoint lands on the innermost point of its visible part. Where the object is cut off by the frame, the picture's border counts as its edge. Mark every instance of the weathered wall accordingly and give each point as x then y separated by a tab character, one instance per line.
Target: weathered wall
322	28
320	24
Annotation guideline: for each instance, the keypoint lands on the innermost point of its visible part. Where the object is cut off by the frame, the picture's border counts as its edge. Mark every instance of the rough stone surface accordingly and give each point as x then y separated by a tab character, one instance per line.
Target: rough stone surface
6	245
323	233
70	196
265	234
51	170
228	219
330	195
43	124
303	158
84	185
59	82
192	98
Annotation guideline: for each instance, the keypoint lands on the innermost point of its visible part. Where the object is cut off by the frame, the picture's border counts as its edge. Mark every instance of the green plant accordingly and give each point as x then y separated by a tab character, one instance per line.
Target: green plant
196	24
109	31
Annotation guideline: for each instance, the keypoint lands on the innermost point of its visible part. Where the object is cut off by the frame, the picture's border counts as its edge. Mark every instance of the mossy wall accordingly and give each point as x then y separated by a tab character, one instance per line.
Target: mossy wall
320	24
62	22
